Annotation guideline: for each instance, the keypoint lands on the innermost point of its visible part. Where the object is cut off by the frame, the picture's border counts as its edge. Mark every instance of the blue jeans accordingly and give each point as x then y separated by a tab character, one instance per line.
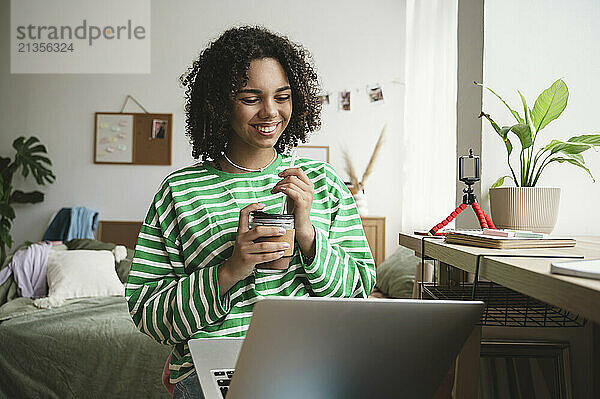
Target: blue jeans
188	388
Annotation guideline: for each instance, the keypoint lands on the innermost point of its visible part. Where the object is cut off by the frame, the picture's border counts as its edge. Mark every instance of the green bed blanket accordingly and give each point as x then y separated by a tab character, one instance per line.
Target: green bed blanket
88	348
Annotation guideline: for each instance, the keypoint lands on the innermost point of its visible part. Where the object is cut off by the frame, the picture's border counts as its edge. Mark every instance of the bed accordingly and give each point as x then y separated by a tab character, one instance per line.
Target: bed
88	347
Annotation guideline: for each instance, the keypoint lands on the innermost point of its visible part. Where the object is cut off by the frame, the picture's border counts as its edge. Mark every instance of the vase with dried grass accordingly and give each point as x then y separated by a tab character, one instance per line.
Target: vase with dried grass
357	186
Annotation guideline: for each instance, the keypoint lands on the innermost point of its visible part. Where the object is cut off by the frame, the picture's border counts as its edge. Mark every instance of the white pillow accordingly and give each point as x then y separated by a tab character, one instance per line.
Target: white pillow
79	274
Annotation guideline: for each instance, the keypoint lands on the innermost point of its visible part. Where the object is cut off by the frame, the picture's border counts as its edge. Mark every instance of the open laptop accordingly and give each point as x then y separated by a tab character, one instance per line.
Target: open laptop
337	348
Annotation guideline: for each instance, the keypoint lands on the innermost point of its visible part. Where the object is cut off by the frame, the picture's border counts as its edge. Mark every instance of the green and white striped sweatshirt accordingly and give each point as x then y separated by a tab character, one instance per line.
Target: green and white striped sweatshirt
190	230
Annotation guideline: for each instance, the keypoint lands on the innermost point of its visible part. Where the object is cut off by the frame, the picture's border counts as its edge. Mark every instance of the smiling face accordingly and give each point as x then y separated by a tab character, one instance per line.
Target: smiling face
261	109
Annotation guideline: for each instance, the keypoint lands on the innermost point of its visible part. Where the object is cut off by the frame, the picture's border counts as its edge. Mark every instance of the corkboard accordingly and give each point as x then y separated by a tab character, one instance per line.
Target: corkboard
133	138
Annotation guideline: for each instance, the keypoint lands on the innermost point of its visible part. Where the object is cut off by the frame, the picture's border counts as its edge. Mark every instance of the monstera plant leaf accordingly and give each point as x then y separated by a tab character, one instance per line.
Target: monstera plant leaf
31	157
6	172
32	197
28	156
7	214
5	238
7	211
4	164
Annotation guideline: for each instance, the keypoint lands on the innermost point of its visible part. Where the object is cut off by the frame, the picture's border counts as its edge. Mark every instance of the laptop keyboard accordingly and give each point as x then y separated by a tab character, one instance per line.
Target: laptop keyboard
222	378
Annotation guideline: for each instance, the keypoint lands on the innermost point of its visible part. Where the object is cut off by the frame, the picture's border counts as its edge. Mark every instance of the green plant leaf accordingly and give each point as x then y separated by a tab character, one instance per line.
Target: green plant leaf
38	148
525	109
572	162
502	132
5	237
590	139
494	124
550	104
41	158
4	162
566	148
7	211
500	181
32	197
28	157
578	157
5	224
504	135
6	171
523	132
512	111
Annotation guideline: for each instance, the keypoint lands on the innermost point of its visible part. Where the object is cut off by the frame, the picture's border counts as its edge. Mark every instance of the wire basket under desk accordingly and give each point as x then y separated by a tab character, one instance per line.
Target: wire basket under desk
505	307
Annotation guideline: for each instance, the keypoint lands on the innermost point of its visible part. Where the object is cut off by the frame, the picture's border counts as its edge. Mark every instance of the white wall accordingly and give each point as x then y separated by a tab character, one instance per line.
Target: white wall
470	68
353	43
528	45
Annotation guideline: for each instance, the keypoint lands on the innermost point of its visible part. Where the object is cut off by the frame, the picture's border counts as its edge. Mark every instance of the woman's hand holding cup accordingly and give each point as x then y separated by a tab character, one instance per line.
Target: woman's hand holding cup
246	252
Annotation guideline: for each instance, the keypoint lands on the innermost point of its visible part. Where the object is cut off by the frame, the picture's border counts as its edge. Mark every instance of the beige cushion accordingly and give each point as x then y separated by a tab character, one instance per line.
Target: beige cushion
80	274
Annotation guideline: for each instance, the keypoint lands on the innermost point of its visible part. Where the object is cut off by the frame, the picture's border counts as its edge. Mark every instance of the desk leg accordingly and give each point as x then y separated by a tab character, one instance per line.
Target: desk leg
452	276
416	294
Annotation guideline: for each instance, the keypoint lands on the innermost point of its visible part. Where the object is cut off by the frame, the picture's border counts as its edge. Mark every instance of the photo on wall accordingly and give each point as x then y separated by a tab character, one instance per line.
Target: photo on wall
324	98
375	93
159	128
344	100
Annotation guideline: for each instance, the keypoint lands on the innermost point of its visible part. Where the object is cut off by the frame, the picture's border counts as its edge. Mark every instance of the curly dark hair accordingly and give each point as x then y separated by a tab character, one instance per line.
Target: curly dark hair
213	81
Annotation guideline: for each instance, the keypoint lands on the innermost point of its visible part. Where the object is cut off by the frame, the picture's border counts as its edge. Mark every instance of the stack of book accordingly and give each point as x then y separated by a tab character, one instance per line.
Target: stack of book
507	239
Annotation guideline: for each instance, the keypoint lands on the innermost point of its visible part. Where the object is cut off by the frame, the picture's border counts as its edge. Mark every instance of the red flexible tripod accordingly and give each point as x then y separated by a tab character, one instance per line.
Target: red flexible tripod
468	199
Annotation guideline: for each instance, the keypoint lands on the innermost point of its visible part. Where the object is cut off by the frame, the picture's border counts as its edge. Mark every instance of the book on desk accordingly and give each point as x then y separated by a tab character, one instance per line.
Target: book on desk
479	239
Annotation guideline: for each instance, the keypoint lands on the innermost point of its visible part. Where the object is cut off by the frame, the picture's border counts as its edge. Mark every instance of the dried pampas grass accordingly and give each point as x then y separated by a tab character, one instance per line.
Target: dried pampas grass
350	169
360	185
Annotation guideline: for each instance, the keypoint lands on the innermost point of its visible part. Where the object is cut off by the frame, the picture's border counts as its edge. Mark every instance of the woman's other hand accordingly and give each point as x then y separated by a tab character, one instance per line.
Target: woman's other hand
297	186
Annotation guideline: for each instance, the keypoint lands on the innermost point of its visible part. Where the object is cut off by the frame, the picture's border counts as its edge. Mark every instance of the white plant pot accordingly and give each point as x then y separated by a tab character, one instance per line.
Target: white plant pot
525	208
361	203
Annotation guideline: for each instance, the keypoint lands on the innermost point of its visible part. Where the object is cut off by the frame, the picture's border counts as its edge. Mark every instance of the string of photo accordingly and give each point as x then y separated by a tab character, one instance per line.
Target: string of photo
374	92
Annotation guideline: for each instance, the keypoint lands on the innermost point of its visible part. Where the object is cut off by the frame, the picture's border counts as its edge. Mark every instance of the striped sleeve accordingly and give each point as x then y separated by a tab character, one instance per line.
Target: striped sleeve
164	302
343	265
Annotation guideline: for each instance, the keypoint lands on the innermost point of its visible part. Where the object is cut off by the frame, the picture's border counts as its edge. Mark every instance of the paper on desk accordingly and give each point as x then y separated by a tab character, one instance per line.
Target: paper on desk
589	268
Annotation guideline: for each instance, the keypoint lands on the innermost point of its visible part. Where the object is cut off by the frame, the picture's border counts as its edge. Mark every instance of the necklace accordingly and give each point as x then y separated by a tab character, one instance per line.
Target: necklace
248	169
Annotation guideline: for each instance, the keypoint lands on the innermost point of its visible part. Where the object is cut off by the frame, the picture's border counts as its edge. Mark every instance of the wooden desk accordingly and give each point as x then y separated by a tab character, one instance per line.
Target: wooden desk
530	276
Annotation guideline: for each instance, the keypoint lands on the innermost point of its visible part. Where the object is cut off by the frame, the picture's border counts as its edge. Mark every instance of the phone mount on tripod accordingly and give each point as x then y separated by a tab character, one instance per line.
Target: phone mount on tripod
469	177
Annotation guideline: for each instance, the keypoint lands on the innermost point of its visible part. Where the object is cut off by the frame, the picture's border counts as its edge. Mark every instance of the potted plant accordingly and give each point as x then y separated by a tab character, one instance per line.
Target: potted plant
526	206
30	159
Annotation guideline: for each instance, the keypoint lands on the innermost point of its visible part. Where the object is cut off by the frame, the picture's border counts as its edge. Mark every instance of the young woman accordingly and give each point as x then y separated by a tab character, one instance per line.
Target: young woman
251	96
